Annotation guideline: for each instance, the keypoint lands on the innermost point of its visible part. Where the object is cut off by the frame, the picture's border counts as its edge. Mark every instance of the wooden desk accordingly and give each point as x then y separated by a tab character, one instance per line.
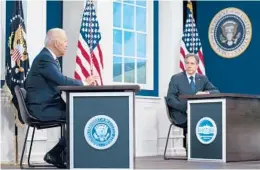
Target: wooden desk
239	134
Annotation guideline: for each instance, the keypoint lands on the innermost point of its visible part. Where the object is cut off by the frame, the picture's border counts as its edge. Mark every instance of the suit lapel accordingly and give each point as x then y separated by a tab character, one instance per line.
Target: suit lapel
197	82
51	57
186	83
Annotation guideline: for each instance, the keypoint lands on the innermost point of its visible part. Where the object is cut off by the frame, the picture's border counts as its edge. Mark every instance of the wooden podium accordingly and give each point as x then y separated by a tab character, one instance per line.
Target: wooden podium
100	126
223	127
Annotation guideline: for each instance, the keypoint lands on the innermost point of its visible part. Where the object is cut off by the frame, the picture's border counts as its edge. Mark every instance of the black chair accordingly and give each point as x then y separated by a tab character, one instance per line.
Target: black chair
172	121
33	122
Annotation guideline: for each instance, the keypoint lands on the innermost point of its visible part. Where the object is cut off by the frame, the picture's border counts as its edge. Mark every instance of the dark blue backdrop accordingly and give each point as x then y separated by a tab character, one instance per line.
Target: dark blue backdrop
240	74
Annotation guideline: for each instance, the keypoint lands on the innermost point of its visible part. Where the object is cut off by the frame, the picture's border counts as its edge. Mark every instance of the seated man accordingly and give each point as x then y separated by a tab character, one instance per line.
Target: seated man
189	83
43	97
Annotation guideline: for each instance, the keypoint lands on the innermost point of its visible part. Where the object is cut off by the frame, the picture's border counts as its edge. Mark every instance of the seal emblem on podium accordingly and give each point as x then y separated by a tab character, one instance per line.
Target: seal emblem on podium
206	130
230	32
101	132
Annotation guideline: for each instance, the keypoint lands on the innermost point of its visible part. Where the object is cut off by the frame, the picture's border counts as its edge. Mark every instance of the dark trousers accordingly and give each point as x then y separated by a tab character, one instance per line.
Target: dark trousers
185	137
184	127
61	145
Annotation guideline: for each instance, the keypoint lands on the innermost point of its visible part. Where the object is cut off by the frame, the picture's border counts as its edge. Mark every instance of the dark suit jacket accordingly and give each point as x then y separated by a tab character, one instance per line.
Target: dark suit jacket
43	97
179	85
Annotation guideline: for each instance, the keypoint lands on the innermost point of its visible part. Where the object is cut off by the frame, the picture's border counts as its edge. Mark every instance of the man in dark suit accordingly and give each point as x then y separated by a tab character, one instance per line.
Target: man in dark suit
43	96
186	83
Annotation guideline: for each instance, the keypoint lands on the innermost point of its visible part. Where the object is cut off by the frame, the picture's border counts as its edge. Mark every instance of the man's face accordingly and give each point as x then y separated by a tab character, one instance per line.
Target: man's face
191	65
62	44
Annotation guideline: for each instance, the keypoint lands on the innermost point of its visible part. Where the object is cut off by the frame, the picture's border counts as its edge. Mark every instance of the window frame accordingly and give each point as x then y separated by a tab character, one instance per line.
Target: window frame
149	88
105	17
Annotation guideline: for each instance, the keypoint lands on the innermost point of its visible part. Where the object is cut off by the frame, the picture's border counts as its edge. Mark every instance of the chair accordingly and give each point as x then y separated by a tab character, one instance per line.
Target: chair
172	123
33	122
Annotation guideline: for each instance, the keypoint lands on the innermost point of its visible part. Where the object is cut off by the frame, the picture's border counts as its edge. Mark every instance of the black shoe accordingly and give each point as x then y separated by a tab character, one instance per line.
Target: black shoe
55	160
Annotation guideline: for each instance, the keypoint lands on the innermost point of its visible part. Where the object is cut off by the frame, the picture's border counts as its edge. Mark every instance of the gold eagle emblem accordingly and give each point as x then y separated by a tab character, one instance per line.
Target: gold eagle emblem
18	48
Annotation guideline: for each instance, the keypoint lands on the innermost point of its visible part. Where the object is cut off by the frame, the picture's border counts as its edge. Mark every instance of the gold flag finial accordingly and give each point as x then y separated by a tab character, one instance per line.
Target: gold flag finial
189	6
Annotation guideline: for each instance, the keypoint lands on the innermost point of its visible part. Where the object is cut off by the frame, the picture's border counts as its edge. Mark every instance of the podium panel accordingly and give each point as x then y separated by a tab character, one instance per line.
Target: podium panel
101	130
207	130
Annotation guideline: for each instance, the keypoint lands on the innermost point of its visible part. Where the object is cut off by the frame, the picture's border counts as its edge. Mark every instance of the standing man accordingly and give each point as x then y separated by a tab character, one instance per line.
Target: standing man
43	96
186	83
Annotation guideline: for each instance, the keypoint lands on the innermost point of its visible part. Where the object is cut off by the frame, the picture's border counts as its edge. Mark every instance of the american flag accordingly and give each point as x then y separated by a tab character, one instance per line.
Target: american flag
89	59
17	54
190	41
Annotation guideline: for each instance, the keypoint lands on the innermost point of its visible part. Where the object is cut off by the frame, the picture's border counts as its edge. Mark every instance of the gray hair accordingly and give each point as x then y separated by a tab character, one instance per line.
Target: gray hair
52	35
47	40
192	55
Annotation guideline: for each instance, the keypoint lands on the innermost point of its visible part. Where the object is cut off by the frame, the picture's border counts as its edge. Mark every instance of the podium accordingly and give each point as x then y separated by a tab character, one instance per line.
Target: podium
100	126
223	127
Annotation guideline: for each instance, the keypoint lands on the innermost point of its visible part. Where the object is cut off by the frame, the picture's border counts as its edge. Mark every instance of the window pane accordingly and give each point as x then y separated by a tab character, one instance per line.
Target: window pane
117	42
129	70
141	3
117	69
129	43
117	14
141	71
140	19
141	45
128	19
129	2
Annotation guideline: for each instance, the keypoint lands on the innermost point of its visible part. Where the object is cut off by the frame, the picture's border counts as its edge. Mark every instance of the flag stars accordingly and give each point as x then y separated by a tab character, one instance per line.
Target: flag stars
190	35
89	26
17	17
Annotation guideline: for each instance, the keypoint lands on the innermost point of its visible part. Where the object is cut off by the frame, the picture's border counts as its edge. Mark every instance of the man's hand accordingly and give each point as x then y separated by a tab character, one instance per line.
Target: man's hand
202	92
91	80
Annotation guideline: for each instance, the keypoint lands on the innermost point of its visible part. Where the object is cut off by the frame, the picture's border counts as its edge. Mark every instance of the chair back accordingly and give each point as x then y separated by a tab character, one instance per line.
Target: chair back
21	97
168	112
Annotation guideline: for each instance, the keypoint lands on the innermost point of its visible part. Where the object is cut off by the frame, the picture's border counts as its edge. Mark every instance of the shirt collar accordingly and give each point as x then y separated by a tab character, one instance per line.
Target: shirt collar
53	55
188	76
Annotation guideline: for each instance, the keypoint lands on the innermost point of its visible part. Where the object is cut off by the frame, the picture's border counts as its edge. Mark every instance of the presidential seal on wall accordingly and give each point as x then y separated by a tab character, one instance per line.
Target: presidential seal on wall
230	32
101	132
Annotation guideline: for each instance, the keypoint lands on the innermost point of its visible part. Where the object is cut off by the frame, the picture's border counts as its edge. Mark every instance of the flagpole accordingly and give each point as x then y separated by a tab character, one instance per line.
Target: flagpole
91	43
16	143
15	126
192	24
91	46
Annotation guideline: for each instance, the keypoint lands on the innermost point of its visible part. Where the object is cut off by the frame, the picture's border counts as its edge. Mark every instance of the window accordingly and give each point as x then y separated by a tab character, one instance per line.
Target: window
133	43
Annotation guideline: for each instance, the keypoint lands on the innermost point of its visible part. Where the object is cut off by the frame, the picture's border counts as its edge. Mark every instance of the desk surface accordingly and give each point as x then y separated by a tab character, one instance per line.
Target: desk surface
106	88
220	95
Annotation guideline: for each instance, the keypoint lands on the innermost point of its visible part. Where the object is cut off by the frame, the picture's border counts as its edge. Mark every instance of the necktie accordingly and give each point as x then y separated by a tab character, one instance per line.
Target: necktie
58	63
192	84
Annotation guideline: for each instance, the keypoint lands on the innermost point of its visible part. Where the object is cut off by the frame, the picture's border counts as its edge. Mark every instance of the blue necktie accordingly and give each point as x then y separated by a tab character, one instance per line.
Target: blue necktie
192	84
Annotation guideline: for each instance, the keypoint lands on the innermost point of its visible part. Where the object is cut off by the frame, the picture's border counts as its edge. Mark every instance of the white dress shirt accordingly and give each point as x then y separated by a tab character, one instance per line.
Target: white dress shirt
53	55
188	77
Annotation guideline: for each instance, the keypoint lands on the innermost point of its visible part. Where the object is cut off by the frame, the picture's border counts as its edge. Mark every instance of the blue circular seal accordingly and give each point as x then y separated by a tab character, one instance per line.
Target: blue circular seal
230	32
101	132
206	130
